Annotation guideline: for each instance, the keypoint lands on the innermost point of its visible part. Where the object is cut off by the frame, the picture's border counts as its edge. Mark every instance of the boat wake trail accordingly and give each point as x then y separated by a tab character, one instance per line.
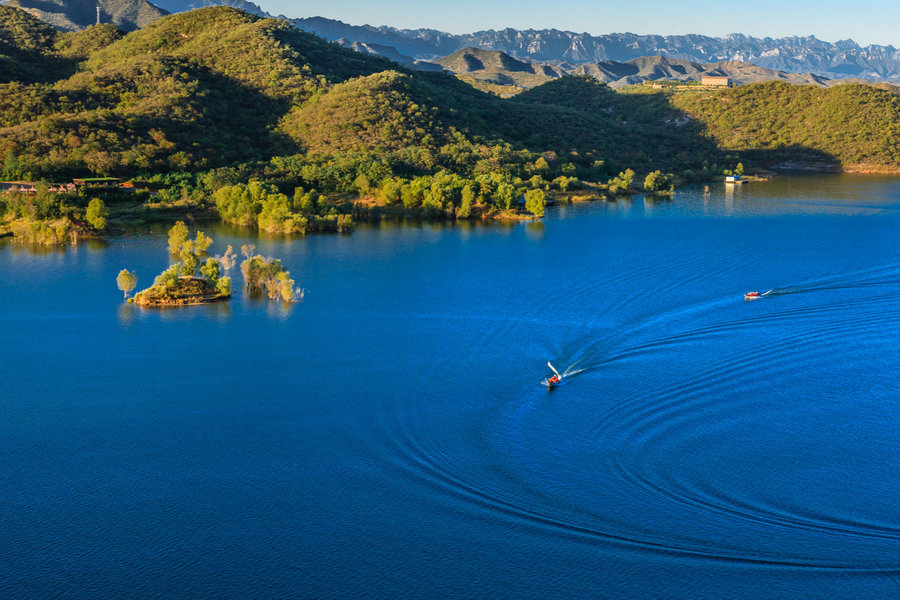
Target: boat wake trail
882	276
690	323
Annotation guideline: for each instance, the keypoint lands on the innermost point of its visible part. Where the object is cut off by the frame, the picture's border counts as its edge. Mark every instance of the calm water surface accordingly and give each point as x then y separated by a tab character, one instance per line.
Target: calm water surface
387	437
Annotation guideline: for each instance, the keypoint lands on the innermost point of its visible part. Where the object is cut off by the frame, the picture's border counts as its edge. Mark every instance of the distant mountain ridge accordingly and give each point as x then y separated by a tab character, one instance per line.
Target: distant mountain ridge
842	59
564	51
498	68
177	6
72	15
662	68
391	54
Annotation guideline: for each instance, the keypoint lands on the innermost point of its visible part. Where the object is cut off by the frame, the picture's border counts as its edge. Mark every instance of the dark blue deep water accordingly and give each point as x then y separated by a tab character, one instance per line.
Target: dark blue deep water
387	436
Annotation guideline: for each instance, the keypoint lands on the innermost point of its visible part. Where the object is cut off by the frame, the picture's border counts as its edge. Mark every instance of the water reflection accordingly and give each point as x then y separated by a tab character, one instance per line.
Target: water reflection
92	244
217	311
275	309
126	314
38	249
535	230
729	199
220	311
280	310
652	203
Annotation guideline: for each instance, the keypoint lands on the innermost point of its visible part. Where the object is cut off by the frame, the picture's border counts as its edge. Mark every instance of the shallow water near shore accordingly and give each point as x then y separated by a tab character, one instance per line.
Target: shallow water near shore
387	437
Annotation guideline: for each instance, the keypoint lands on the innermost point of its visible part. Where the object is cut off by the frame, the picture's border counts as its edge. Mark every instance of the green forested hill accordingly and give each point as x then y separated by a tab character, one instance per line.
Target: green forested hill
26	46
855	125
194	90
386	110
73	15
32	51
218	87
638	129
268	55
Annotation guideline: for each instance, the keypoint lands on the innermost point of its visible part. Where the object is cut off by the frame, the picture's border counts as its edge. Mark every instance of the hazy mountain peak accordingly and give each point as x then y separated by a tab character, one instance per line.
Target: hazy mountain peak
794	54
176	6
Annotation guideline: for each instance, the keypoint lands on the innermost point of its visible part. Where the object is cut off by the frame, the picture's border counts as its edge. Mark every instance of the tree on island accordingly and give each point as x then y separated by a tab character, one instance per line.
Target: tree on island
267	275
178	235
191	252
126	280
180	284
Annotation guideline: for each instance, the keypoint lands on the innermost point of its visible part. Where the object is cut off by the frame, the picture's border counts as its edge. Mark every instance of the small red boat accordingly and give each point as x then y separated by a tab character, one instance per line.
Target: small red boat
554	380
752	296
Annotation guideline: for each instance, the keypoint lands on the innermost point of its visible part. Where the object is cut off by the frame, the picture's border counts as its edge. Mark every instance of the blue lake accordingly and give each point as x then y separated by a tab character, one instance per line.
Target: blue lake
387	437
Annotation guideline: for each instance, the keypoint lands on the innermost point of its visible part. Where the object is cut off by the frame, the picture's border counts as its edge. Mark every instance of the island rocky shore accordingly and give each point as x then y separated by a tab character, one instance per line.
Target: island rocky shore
188	291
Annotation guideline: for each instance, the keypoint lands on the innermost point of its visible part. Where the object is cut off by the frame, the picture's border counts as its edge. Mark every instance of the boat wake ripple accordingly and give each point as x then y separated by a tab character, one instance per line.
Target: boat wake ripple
713	462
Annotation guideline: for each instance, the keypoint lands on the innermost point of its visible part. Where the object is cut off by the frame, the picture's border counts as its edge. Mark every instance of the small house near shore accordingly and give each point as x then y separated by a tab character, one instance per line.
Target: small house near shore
714	81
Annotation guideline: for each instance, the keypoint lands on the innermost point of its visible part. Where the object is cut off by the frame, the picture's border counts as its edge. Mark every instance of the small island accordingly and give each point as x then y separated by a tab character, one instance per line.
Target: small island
186	291
179	285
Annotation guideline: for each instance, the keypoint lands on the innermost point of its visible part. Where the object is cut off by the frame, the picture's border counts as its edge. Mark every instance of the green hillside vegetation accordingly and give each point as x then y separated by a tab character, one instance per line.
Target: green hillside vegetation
296	129
855	125
73	15
578	92
383	111
503	90
639	130
267	55
32	51
26	47
78	45
192	91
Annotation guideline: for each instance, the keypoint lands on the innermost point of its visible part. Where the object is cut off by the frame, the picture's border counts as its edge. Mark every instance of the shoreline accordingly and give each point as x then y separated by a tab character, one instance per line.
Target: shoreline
179	304
188	291
368	210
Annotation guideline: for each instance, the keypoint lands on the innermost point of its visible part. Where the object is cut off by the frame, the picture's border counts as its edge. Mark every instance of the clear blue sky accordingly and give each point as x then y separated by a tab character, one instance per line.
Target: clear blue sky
865	21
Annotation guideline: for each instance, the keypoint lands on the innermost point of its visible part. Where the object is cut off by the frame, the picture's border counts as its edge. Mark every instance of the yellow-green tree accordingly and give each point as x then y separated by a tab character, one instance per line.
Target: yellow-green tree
178	235
269	276
127	281
657	181
96	214
535	202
